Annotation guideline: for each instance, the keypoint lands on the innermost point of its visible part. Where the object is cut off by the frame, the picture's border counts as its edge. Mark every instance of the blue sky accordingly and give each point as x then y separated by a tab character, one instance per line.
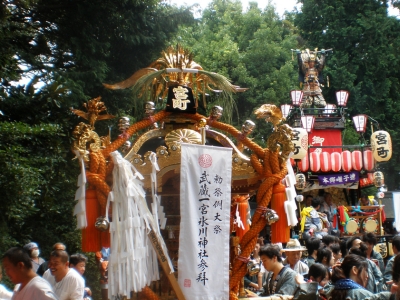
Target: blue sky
280	5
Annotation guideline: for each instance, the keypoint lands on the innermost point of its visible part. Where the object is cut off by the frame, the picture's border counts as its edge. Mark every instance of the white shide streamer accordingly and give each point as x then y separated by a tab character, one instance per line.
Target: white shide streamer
80	195
133	261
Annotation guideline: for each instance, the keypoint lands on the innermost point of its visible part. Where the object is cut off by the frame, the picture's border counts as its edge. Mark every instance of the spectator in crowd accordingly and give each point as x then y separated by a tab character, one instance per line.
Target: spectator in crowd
350	279
329	240
318	273
312	245
389	266
375	282
280	279
325	257
293	253
353	242
45	266
329	208
33	250
370	239
367	201
336	252
312	221
308	200
66	282
18	267
396	277
5	294
78	262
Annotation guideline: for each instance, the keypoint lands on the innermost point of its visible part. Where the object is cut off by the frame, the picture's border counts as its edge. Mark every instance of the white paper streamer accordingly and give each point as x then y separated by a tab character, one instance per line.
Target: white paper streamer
133	261
80	195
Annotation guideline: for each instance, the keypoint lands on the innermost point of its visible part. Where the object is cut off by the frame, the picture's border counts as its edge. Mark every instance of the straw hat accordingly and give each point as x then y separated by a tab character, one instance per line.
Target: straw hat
294	245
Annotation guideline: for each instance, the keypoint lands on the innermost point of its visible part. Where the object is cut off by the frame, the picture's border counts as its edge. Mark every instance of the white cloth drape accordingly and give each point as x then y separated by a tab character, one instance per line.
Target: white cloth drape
80	194
133	261
203	265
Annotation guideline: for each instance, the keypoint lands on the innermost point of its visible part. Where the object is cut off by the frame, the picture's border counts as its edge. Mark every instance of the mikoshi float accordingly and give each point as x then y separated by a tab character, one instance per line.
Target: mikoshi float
172	189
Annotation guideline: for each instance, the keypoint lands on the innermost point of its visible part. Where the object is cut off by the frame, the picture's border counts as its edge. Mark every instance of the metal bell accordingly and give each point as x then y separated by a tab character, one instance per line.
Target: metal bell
271	216
102	224
252	268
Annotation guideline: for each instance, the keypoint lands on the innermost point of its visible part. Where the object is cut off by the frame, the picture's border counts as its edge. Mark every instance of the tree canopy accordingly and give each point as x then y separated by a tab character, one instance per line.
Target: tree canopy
55	55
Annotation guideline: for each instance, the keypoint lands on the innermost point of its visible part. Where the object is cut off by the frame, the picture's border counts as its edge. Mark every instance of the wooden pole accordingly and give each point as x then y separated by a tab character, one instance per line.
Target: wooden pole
155	239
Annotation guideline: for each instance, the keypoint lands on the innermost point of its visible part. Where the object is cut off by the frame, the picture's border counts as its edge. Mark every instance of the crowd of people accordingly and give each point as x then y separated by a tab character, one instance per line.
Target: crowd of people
59	278
339	269
333	268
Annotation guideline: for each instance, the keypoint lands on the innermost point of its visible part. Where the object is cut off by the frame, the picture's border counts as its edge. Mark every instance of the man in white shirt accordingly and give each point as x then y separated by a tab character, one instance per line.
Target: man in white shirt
18	267
67	283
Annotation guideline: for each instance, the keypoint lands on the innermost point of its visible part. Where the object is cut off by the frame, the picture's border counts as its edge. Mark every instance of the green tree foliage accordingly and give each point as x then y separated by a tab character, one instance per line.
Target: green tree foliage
365	60
252	48
64	51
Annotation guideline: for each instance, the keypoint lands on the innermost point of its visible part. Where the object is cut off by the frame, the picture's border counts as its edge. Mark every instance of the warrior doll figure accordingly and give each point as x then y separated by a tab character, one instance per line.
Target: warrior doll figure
311	64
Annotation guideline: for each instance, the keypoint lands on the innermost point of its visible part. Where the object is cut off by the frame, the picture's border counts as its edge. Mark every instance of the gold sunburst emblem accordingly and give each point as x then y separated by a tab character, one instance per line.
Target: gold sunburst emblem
183	136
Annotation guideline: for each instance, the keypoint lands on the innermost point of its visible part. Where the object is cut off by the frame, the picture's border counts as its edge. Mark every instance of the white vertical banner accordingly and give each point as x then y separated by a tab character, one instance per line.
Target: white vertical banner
205	197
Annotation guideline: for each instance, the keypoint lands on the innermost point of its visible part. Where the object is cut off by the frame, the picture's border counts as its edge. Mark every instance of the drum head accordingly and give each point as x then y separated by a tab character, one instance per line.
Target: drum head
371	224
351	227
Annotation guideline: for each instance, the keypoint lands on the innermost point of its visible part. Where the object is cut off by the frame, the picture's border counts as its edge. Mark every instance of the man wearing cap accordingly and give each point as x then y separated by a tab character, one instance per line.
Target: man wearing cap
33	250
18	267
293	253
280	279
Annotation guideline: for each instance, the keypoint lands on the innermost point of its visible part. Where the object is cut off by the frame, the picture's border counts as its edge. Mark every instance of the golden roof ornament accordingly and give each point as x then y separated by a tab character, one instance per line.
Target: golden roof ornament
176	67
94	107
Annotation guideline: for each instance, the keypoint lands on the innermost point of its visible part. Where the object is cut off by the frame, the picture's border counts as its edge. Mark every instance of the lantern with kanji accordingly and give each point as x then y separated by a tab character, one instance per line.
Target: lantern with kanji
300	143
300	181
379	179
381	145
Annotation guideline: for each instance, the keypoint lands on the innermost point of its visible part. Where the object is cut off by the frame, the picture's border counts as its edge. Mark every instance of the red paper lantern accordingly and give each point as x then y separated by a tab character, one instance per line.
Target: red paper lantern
346	161
336	161
315	162
370	176
368	160
326	164
304	164
356	160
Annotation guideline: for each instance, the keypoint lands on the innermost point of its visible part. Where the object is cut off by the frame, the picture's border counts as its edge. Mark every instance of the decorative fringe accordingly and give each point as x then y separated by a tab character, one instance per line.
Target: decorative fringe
243	208
280	230
91	241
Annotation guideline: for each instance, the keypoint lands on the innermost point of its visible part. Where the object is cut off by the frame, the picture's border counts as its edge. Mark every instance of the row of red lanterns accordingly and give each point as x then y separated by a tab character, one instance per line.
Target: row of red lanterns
345	161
